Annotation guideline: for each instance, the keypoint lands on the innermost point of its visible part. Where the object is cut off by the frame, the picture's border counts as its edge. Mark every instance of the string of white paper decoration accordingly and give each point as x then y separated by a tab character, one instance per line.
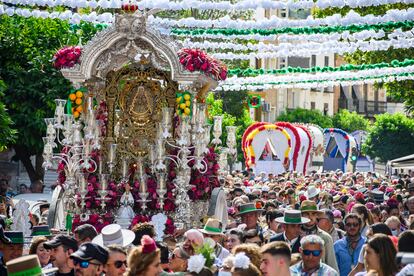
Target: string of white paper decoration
72	17
320	76
351	18
209	5
322	84
263	50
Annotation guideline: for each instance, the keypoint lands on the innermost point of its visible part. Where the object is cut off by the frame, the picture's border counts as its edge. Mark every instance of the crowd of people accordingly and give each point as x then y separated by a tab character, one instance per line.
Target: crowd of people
318	224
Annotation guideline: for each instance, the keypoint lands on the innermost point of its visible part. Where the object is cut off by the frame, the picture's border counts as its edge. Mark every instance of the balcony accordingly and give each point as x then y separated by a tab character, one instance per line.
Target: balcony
367	108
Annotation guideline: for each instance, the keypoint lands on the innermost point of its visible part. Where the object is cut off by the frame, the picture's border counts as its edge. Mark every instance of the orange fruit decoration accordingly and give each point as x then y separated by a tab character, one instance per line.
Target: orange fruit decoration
79	94
76	114
79	109
78	101
72	97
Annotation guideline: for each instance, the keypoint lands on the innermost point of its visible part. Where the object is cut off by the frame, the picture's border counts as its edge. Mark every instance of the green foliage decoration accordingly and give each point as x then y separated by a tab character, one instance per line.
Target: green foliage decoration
301	115
350	121
390	137
7	133
27	46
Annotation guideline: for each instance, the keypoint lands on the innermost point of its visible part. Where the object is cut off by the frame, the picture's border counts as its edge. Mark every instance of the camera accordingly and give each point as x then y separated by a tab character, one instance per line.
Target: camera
404	258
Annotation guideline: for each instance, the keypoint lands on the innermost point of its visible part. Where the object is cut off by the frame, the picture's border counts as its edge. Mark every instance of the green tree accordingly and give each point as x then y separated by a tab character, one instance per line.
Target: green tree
301	115
215	108
390	137
350	121
398	90
27	46
7	133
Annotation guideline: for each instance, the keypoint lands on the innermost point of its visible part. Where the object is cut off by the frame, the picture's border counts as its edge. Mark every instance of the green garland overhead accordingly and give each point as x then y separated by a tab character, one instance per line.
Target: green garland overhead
340	79
250	72
387	26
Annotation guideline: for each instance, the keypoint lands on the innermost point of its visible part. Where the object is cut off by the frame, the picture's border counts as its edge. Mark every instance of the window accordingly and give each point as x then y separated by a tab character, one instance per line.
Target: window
313	61
326	60
313	105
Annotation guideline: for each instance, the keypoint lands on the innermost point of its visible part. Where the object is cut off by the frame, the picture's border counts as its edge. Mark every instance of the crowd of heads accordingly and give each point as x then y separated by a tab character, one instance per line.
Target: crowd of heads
319	224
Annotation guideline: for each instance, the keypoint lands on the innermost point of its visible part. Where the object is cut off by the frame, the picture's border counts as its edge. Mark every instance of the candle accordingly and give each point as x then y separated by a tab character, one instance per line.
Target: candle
151	154
160	150
124	168
104	183
101	164
217	123
87	149
162	182
112	153
166	116
141	174
83	183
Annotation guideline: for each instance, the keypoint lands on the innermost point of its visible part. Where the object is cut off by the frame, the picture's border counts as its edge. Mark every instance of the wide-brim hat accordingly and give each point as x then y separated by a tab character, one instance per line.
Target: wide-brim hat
309	206
27	265
212	227
113	234
248	208
292	217
41	230
312	191
15	237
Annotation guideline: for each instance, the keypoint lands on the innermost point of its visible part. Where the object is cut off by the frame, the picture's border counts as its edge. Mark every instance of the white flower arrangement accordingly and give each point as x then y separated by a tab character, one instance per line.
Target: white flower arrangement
241	261
196	263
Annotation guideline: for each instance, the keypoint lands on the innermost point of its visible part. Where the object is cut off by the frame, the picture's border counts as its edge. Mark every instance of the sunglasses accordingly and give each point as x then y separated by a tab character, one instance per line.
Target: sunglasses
315	253
118	264
82	263
352	224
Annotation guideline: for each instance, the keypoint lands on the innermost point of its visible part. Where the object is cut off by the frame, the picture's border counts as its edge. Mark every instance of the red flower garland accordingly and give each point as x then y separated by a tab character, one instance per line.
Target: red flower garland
67	57
197	60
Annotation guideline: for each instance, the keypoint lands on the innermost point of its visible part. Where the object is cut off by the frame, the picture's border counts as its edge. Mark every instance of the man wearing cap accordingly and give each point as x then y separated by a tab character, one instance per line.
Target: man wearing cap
61	247
310	210
292	221
213	230
89	260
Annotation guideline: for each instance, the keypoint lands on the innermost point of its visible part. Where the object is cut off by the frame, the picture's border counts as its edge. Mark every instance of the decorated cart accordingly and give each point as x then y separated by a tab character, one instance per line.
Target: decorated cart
317	151
266	148
338	145
138	148
301	145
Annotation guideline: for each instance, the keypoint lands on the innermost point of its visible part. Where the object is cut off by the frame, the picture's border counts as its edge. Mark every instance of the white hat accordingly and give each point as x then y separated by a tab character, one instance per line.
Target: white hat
312	192
265	188
113	234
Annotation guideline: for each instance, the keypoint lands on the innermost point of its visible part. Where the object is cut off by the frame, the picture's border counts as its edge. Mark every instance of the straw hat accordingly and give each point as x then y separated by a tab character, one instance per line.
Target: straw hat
212	227
309	206
27	265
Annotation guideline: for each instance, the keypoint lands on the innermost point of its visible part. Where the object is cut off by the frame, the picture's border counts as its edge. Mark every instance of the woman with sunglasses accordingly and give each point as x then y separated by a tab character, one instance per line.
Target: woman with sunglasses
117	264
311	250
